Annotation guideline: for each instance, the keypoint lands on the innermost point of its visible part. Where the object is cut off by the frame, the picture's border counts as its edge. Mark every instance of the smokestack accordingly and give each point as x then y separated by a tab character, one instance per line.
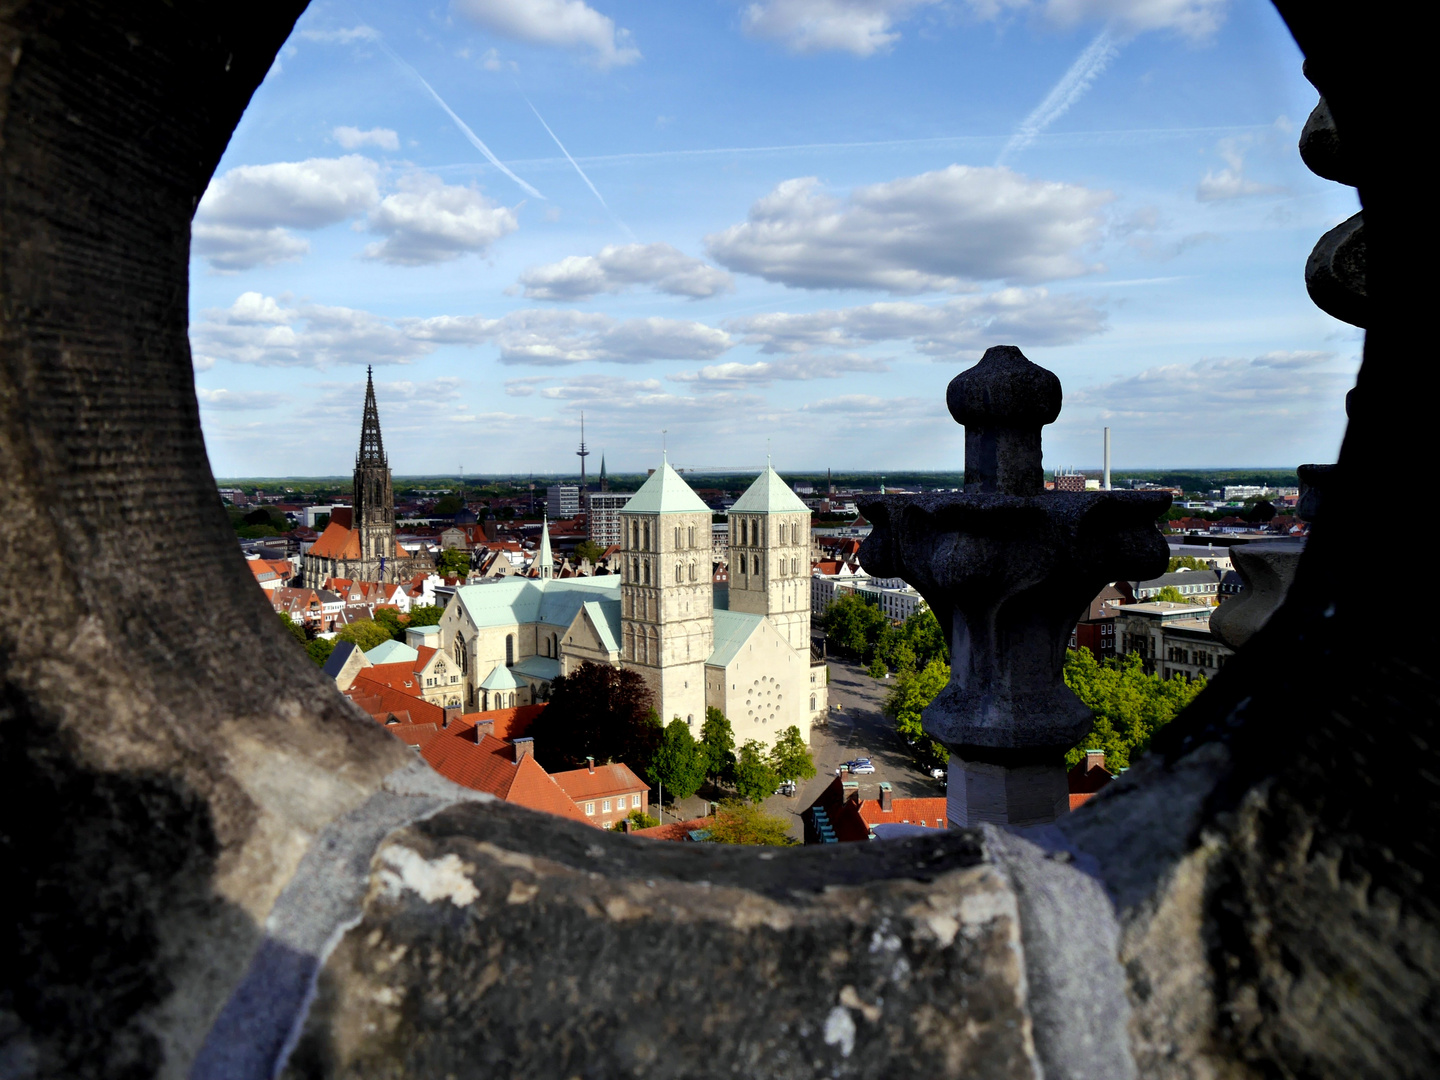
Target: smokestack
1107	459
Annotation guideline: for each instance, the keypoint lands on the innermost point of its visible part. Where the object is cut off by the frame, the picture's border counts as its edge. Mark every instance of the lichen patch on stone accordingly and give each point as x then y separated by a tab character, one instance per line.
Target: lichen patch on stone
445	878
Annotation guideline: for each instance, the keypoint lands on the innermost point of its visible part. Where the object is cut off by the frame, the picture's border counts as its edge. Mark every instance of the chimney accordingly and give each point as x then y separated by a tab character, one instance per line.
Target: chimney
590	762
523	748
451	712
1094	759
887	799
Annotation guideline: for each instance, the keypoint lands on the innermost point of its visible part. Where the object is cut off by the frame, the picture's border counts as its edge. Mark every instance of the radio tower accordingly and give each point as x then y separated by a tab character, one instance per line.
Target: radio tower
582	454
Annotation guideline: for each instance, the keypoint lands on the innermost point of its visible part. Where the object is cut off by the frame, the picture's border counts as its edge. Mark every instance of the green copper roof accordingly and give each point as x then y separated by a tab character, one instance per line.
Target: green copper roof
769	495
500	679
392	652
665	493
732	630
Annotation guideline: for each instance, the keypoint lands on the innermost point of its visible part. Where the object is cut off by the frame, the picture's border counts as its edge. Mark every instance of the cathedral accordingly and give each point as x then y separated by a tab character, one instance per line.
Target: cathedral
359	543
747	654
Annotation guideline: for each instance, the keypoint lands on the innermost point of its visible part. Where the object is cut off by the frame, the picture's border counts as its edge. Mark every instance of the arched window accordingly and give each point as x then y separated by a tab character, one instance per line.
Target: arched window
677	536
509	649
690	719
691	537
692	571
647	572
679	574
647	536
629	643
782	534
812	702
460	656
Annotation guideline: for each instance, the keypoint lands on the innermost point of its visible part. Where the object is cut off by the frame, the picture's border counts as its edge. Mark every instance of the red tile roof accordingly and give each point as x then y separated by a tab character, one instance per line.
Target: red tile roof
929	812
336	542
675	830
504	723
490	766
382	701
605	780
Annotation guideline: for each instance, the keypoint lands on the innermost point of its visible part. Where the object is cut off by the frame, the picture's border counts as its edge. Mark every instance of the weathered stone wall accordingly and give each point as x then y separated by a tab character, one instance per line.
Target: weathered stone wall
192	817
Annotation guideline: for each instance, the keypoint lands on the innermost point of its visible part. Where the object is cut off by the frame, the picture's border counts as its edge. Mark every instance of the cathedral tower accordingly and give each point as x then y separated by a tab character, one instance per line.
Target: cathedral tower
770	557
666	595
373	517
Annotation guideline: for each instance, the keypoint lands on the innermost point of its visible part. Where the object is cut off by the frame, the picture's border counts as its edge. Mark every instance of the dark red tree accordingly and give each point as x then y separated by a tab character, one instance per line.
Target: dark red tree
597	711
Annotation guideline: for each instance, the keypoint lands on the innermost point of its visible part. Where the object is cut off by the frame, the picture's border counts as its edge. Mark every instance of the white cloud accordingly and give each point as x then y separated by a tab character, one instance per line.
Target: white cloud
800	368
228	248
428	221
527	386
943	230
352	138
567	24
1231	182
236	400
558	338
243	217
301	194
961	327
345	36
617	267
257	329
1195	19
1279	407
861	27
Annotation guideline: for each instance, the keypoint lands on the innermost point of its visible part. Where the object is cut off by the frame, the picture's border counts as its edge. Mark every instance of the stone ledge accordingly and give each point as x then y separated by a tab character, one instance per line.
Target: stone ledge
493	938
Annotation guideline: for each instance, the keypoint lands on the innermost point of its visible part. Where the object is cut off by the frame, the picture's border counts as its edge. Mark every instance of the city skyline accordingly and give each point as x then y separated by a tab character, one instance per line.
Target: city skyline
791	222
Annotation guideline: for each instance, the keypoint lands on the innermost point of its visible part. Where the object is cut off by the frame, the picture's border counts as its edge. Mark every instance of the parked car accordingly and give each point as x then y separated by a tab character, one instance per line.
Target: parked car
787	788
937	773
864	767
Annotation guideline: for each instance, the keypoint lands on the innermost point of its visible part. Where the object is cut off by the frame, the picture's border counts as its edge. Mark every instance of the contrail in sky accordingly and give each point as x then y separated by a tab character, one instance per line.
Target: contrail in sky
475	140
1070	89
579	170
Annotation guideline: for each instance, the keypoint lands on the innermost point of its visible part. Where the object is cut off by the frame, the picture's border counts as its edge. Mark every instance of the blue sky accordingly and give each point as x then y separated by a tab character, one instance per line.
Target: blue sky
782	225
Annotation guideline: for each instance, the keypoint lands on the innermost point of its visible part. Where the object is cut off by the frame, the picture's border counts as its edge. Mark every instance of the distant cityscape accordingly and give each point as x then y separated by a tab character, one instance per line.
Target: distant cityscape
450	611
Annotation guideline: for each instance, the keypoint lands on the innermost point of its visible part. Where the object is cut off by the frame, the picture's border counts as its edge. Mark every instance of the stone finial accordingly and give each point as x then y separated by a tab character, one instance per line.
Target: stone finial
1004	401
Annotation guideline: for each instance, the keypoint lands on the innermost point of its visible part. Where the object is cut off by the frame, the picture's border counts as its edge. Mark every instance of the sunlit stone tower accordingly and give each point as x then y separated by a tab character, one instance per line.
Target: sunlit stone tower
770	557
666	595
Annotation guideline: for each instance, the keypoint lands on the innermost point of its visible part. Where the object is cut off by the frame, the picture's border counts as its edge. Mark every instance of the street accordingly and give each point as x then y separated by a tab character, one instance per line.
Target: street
858	729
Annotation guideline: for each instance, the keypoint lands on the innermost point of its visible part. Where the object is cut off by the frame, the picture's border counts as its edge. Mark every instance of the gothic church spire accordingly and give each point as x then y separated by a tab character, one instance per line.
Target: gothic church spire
372	448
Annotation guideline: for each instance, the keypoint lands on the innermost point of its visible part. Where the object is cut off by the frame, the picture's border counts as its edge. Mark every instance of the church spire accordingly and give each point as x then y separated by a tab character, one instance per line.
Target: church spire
543	558
372	449
604	480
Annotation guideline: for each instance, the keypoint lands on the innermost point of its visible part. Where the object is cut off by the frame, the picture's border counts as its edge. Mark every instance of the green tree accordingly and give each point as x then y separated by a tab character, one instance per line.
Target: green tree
365	633
679	762
389	618
588	549
320	650
322	522
1172	594
1129	705
718	739
1185	562
923	635
877	668
754	778
906	701
853	625
640	820
453	562
296	630
739	822
790	758
425	615
597	711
